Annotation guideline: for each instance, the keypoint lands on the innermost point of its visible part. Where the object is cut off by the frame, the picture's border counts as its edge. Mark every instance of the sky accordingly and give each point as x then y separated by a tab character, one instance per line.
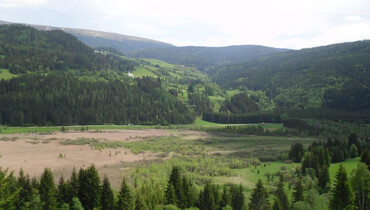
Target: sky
291	24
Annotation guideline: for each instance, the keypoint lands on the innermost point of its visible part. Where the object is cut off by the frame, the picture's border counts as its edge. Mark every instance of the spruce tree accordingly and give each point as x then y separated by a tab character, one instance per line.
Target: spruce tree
365	157
107	199
207	199
323	178
298	193
281	195
342	196
47	190
259	197
89	192
175	181
62	192
225	197
73	186
125	200
138	204
237	198
25	193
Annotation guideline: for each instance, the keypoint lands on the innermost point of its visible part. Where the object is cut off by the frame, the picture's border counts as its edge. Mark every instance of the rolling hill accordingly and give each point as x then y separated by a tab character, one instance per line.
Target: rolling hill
335	76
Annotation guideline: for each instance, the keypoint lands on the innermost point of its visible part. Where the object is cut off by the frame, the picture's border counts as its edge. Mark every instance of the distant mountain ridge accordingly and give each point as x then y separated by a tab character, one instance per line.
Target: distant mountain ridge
92	38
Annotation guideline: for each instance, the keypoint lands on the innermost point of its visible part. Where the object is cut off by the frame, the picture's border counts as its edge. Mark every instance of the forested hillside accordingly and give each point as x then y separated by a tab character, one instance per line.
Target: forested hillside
335	77
206	57
24	49
63	99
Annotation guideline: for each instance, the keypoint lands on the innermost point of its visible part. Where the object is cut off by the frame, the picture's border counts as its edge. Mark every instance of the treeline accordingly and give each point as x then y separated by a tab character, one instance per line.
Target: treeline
24	49
63	99
254	117
333	115
239	104
85	190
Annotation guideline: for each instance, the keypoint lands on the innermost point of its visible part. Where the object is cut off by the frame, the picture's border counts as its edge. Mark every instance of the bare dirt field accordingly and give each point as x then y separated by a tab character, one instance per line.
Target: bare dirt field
35	152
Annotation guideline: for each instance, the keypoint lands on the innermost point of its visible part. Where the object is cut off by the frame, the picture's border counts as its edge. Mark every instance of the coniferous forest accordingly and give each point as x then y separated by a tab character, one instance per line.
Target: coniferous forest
241	127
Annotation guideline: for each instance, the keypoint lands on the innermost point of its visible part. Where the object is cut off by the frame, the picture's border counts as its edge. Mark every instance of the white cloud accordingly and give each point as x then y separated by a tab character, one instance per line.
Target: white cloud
284	23
21	3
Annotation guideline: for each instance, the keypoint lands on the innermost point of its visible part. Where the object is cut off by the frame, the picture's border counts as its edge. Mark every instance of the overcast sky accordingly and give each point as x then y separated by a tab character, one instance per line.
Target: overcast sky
278	23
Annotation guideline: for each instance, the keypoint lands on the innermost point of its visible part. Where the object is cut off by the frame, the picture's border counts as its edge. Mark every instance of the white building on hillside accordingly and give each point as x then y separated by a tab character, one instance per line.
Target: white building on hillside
130	75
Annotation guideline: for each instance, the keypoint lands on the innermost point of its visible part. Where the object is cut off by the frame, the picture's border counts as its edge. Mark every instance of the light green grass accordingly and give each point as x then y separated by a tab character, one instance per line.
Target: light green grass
349	165
158	62
5	74
200	122
46	129
141	71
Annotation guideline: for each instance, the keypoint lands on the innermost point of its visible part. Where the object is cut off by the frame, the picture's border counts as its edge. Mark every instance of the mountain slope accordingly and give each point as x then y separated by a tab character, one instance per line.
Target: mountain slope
206	57
23	48
334	76
96	39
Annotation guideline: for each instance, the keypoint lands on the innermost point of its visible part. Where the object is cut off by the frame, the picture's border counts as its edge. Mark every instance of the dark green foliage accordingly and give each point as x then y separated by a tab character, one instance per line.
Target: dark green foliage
63	99
125	199
178	189
47	190
200	101
239	104
28	49
257	117
225	197
25	193
237	197
208	197
353	151
107	198
63	192
73	186
138	204
89	192
282	198
298	192
205	58
259	198
334	76
360	181
324	179
365	157
342	196
317	157
296	152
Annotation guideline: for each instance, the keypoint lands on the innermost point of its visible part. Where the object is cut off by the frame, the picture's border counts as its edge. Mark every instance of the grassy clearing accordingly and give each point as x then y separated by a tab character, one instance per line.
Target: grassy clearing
141	71
5	74
200	122
349	165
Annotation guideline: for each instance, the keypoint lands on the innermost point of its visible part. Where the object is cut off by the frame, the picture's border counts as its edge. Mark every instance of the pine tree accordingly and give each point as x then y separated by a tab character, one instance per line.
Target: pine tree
298	193
170	194
89	192
225	197
73	186
296	152
47	190
7	195
207	199
25	193
323	178
125	201
259	197
107	199
342	197
176	182
138	204
281	195
62	192
237	198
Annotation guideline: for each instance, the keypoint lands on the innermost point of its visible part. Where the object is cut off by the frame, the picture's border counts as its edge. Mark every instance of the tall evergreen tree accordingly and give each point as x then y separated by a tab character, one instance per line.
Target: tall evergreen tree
281	196
178	185
73	186
47	190
298	193
125	200
237	197
7	195
62	192
259	197
107	199
360	181
342	197
323	178
225	197
296	152
138	204
89	192
25	193
208	198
